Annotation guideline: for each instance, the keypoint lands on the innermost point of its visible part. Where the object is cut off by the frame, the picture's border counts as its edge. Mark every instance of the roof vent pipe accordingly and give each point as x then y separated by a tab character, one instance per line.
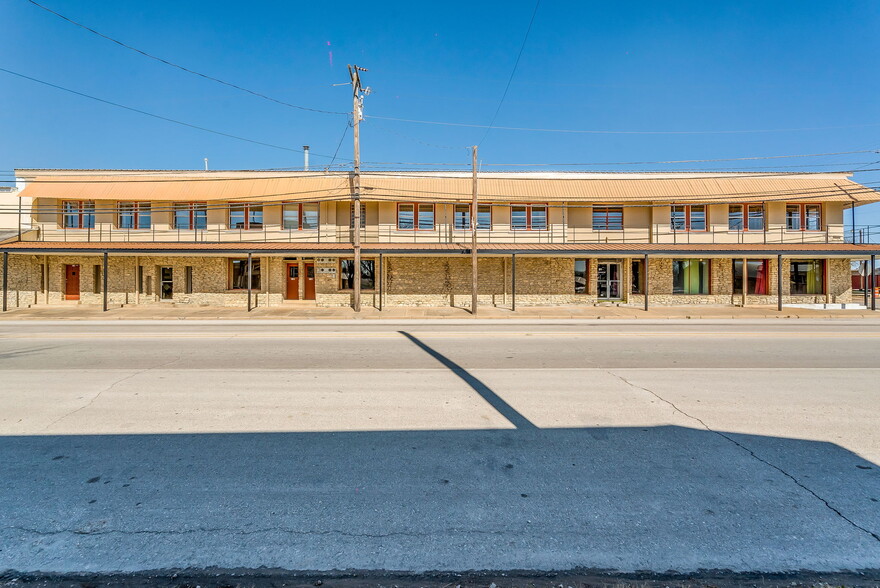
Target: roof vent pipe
305	158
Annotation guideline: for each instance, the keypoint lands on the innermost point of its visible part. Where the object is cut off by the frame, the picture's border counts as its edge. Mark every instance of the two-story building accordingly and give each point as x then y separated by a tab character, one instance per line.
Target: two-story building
227	237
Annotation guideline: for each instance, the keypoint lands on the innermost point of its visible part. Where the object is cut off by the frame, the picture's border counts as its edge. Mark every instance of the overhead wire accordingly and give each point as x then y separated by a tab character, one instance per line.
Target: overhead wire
157	116
512	72
613	132
180	67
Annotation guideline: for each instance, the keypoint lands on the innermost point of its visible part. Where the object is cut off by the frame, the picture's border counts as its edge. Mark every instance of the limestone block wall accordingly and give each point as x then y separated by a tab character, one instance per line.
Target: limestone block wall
407	281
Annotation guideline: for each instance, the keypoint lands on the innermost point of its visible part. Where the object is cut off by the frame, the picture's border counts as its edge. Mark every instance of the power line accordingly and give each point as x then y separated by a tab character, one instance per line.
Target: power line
180	67
512	72
608	132
160	117
686	160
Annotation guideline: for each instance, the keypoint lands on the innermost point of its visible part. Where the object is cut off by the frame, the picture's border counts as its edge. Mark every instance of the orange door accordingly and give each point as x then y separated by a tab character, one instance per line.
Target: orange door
71	282
310	281
293	281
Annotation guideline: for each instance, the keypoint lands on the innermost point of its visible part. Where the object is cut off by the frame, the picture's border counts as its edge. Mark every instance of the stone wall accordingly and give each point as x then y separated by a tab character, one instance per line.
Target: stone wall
406	281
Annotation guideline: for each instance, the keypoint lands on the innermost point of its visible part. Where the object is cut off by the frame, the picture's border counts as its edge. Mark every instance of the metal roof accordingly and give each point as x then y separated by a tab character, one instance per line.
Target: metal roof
265	186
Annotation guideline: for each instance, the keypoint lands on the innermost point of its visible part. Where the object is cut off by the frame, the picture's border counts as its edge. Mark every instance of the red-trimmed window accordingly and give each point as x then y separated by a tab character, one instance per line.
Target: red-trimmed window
245	215
462	217
134	215
78	214
415	217
803	217
528	217
745	217
689	218
607	218
300	216
190	215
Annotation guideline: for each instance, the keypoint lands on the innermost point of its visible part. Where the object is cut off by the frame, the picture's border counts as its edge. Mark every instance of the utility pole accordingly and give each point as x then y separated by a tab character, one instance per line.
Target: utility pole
357	113
474	234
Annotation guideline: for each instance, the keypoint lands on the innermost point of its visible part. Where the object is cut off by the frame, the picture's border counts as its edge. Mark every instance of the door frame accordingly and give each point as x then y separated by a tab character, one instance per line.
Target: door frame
78	281
161	281
619	280
305	275
287	280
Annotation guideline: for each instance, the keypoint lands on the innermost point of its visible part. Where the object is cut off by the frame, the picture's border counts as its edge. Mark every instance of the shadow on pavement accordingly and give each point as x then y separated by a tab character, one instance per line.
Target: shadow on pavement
653	498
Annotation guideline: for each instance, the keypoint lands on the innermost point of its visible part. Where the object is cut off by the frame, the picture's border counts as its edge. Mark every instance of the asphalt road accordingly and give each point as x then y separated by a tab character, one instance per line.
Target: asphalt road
417	446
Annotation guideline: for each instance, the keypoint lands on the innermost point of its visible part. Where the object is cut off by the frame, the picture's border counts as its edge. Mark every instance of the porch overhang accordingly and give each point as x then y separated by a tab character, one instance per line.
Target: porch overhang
846	250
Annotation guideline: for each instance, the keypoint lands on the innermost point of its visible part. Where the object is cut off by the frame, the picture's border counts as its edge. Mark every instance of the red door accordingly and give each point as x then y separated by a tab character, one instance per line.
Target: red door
310	281
71	282
293	281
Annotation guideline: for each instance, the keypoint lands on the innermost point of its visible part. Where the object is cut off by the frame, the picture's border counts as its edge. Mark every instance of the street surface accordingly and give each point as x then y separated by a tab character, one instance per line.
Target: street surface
412	446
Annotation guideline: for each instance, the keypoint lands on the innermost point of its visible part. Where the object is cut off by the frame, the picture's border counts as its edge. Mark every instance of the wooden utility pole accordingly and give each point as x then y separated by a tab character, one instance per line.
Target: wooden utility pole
357	97
474	234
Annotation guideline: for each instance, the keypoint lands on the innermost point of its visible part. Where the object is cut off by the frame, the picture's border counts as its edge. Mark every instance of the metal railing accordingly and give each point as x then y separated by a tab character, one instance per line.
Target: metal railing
446	233
862	234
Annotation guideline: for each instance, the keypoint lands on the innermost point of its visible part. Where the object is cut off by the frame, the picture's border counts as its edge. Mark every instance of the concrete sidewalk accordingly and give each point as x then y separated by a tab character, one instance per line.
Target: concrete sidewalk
171	312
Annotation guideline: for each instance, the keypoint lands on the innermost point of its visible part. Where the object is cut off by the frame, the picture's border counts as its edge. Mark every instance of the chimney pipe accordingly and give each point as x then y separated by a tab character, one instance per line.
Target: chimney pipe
305	158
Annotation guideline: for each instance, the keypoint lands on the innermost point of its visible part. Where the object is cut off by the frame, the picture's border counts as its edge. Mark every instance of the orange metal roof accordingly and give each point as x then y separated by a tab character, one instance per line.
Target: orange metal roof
700	187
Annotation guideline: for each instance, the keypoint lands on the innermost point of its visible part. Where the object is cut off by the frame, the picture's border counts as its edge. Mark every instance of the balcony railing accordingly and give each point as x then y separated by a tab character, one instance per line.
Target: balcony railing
502	234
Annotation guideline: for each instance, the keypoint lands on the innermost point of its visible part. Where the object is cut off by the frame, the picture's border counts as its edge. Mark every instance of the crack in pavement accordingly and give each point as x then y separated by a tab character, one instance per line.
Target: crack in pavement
108	388
234	531
750	452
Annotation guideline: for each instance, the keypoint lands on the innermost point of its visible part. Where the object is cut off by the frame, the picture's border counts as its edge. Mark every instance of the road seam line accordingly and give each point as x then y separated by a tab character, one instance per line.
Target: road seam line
750	452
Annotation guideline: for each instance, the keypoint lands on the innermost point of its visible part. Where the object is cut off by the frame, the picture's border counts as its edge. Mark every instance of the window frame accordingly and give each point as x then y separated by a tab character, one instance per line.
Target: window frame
766	268
822	268
529	213
586	261
637	286
467	208
363	215
608	211
137	214
746	218
191	208
687	218
416	212
802	216
258	275
339	263
299	216
247	216
81	213
708	263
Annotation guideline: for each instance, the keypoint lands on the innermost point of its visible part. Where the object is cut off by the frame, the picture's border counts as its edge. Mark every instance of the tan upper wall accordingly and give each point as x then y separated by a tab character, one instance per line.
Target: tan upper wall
570	222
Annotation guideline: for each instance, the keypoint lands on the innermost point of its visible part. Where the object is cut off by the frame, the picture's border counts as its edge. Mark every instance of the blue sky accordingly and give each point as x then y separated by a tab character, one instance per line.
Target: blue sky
615	66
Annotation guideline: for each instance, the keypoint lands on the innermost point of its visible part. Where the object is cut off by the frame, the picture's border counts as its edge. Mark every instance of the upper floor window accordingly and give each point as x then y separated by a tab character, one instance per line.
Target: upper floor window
745	217
300	217
803	217
244	215
415	217
190	215
690	217
607	219
78	214
528	217
462	217
363	216
134	215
